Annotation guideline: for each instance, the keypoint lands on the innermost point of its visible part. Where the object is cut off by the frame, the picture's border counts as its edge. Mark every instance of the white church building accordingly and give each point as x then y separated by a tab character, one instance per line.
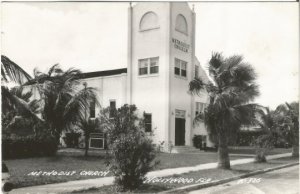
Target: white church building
161	63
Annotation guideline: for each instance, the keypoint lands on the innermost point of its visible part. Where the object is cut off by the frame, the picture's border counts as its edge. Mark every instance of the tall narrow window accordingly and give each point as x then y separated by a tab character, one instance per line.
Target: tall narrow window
92	109
196	71
180	68
197	108
148	122
200	107
177	67
183	69
143	66
149	66
112	108
153	65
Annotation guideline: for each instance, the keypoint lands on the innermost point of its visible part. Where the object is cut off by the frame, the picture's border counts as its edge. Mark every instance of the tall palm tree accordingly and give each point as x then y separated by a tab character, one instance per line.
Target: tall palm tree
290	123
231	89
65	104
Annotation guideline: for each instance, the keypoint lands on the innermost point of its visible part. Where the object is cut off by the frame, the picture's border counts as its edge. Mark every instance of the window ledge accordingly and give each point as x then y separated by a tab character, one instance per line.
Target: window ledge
148	29
149	75
181	77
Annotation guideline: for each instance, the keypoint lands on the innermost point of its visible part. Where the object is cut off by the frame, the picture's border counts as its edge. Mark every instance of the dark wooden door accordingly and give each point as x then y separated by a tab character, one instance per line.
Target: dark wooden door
179	131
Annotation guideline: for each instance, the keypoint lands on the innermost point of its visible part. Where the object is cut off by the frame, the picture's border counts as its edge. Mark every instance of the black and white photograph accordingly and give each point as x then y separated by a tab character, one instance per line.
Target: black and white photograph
198	97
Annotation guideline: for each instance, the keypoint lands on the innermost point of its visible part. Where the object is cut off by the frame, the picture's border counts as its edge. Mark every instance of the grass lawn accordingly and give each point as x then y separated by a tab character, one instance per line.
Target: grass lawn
67	162
213	174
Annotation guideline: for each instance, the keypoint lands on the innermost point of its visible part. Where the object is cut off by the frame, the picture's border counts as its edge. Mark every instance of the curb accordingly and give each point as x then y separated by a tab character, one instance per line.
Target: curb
218	182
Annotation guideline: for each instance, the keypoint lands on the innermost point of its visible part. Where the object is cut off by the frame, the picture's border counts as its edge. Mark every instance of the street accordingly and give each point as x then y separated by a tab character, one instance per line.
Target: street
283	181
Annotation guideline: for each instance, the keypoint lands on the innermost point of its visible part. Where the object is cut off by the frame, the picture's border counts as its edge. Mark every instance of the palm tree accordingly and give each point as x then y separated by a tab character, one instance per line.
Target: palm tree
13	73
231	88
268	122
290	124
65	104
11	114
88	126
10	71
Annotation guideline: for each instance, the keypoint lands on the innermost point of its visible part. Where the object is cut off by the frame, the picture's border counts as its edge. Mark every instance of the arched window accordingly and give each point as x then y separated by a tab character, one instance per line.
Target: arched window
181	24
149	21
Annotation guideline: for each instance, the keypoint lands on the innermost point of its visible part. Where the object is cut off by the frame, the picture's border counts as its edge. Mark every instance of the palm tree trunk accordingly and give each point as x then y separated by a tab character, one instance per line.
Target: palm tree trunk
56	135
87	137
223	154
260	155
295	150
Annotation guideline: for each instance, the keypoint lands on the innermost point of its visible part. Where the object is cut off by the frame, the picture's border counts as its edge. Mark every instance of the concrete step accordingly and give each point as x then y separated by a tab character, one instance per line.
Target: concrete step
184	149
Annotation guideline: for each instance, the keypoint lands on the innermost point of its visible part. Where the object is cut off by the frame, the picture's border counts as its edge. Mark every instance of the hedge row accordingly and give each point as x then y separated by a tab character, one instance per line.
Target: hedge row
246	138
29	146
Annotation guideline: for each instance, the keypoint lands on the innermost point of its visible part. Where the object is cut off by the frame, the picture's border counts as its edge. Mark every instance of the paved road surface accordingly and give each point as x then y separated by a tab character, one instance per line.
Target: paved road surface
283	181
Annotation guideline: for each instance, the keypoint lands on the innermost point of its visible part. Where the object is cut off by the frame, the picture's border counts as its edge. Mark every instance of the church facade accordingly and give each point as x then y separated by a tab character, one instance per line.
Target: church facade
161	63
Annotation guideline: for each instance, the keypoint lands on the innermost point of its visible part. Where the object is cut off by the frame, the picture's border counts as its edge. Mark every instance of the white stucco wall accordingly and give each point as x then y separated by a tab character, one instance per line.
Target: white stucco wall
179	97
200	128
150	93
108	88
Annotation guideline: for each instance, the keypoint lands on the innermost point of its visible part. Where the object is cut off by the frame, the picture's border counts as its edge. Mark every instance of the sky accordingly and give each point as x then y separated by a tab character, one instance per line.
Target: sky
93	37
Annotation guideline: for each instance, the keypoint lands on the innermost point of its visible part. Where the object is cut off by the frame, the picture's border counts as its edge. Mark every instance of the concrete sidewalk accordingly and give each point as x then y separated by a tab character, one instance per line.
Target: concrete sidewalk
70	186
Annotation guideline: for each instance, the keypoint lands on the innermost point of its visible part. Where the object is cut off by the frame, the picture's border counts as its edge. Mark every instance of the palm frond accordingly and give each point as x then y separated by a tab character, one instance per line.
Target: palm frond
216	60
196	85
54	70
78	107
13	102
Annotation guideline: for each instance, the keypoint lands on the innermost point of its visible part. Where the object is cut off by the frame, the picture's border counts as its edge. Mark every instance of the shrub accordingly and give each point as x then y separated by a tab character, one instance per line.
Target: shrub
28	146
197	140
131	151
71	139
263	144
246	138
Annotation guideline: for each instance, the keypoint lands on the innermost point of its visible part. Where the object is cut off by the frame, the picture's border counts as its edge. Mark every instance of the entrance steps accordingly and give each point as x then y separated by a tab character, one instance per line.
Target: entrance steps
185	149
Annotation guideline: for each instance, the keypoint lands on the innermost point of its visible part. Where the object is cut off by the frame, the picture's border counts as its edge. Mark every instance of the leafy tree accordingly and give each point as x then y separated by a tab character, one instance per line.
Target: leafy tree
132	151
289	122
231	89
64	103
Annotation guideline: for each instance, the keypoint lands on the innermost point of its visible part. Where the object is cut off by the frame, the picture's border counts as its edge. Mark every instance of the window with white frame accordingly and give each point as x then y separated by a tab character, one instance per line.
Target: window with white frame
200	107
148	66
96	140
180	67
148	122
